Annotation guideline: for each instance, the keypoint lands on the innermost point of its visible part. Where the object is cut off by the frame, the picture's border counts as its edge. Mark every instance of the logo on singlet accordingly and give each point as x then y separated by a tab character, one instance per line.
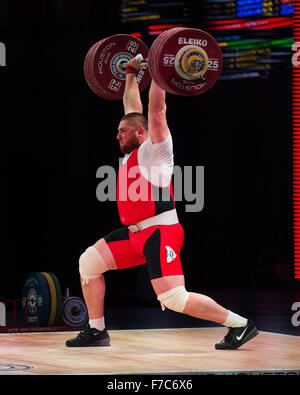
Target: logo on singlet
171	255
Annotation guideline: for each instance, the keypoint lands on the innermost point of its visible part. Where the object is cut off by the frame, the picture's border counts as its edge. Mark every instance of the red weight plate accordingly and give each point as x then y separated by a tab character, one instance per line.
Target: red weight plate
157	57
162	56
153	60
88	66
104	66
89	74
154	56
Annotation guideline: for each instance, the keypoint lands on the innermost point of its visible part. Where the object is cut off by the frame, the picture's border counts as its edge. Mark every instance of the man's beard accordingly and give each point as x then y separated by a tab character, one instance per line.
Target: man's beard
130	146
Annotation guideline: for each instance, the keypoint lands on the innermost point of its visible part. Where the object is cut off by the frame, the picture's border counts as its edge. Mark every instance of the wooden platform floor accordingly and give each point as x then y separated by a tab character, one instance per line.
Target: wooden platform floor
157	351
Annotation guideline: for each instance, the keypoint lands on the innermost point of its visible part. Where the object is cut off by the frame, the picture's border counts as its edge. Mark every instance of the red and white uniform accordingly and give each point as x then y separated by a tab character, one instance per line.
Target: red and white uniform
144	186
144	191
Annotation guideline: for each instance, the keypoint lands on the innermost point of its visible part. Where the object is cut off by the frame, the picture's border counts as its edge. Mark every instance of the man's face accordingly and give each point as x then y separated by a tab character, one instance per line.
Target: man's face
127	137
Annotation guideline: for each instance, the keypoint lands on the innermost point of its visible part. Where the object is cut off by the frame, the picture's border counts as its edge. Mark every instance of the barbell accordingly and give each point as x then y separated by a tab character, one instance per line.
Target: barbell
182	61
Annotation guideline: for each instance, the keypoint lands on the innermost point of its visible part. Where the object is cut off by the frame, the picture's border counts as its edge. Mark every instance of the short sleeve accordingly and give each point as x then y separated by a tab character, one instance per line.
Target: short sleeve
158	153
156	161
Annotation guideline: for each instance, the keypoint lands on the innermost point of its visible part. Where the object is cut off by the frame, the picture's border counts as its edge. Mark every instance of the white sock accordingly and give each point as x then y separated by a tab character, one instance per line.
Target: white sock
235	320
97	323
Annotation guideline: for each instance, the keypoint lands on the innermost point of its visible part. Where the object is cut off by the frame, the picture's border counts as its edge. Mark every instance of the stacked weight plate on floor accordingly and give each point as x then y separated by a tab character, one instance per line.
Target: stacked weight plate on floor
59	299
74	311
105	62
42	299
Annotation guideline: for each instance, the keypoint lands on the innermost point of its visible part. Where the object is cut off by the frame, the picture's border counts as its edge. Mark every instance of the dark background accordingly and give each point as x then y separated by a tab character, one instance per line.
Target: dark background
55	133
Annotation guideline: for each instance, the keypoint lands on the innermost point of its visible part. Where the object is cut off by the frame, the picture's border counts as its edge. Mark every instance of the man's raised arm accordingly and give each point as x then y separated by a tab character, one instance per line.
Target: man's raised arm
157	121
131	98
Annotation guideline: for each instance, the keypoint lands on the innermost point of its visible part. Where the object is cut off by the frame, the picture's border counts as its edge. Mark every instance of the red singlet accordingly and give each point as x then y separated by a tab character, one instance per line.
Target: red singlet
144	189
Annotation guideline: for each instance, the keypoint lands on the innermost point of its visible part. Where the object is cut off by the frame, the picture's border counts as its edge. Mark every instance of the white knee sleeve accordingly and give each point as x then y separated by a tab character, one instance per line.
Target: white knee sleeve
91	265
174	299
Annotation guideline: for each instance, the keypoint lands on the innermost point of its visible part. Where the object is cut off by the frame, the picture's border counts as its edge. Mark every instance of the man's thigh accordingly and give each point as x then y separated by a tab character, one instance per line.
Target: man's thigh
162	251
116	249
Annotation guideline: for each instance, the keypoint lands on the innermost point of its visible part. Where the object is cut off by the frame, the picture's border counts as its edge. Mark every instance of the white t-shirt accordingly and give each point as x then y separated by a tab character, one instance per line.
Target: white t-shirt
156	161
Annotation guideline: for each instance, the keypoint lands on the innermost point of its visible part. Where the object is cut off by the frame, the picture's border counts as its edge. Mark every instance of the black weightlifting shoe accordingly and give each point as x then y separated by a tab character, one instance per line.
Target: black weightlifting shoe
237	337
90	337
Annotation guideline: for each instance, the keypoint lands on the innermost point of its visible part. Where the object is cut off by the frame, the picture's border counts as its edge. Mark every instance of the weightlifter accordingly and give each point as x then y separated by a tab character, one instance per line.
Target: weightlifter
151	234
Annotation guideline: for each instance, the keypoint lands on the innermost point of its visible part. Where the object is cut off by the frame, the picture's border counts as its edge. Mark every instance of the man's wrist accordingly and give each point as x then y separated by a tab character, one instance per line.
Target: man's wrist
130	69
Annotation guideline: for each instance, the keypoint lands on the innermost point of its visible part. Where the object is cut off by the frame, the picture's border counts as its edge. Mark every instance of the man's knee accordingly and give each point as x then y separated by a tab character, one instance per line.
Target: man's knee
174	299
91	265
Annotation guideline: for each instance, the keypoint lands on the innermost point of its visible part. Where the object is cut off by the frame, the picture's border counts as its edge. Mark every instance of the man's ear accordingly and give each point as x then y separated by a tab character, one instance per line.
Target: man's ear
140	131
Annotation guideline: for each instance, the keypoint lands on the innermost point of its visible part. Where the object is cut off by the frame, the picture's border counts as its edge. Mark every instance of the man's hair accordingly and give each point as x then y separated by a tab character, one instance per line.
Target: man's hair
136	119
